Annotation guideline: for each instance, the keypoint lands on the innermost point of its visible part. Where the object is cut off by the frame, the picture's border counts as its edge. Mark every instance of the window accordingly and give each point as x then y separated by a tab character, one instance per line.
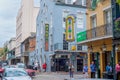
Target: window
65	43
83	2
107	16
64	15
51	47
79	47
93	21
68	1
36	3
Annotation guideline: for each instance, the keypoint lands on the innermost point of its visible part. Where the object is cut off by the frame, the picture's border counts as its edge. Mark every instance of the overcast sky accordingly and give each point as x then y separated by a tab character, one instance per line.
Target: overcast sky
8	12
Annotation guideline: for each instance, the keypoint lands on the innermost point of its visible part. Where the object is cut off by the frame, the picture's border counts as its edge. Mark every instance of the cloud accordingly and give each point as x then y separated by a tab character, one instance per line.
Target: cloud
8	12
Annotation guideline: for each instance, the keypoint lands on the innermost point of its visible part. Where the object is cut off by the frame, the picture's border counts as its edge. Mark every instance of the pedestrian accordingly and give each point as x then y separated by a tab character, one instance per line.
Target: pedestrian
36	66
108	68
118	70
85	71
93	69
44	67
71	70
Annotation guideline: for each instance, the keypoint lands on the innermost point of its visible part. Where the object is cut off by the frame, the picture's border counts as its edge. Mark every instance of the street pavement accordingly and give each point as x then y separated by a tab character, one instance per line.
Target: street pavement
59	76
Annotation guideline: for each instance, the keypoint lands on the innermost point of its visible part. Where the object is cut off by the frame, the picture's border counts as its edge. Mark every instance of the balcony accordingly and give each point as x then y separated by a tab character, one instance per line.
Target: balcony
60	46
97	33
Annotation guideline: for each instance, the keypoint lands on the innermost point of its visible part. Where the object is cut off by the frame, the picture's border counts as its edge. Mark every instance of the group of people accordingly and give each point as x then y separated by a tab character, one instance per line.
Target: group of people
108	69
36	66
85	69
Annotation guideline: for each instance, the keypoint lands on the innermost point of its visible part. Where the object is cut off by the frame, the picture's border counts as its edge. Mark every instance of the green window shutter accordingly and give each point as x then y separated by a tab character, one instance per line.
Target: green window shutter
94	4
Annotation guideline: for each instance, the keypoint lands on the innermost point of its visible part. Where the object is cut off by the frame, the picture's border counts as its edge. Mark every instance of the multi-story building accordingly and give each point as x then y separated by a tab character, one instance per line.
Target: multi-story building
25	24
11	51
28	46
55	39
98	36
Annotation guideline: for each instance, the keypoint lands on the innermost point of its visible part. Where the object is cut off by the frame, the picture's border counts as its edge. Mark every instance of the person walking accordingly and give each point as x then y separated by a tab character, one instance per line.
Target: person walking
71	70
85	71
108	68
36	66
118	70
93	69
44	67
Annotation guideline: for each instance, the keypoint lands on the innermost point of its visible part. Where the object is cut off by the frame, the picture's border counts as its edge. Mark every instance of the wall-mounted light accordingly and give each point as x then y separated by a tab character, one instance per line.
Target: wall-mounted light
117	47
104	48
90	48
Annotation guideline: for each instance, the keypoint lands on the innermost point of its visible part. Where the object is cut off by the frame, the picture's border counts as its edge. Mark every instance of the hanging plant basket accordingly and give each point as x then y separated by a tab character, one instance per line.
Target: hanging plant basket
117	24
117	28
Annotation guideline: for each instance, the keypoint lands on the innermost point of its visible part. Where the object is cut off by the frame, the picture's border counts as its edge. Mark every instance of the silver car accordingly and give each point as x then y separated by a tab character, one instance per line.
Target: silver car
15	74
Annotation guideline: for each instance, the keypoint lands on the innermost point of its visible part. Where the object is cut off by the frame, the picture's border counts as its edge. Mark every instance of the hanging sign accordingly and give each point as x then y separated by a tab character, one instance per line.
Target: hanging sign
70	28
46	37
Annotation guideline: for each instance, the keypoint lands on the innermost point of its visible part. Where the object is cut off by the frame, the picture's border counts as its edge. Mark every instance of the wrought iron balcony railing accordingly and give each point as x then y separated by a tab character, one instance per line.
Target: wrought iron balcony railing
61	46
67	47
101	31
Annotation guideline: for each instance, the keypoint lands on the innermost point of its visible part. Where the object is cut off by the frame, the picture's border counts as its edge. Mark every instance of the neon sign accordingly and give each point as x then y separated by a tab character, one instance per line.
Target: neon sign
70	28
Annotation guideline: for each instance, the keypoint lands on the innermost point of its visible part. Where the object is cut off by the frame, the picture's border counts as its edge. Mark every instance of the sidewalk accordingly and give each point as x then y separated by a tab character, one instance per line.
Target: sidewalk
61	76
59	73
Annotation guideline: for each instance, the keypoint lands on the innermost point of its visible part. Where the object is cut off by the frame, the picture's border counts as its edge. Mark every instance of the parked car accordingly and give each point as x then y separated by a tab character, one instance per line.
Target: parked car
15	74
29	70
20	65
1	72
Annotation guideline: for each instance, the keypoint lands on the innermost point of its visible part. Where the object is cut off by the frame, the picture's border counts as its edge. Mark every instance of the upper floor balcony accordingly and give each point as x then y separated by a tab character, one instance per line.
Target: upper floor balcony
67	47
97	33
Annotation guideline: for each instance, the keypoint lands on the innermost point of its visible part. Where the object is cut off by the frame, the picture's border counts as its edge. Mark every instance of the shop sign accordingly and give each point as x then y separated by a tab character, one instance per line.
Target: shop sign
81	36
46	37
70	28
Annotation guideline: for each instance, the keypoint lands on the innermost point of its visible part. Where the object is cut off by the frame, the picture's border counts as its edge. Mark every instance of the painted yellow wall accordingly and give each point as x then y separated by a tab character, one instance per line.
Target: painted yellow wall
97	45
99	13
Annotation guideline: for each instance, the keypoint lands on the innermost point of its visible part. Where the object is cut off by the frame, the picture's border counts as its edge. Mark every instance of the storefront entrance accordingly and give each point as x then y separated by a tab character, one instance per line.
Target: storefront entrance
118	55
96	58
79	64
60	64
107	57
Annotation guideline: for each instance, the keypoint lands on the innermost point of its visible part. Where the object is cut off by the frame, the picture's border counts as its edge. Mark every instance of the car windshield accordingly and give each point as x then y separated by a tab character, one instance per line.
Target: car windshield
15	73
21	65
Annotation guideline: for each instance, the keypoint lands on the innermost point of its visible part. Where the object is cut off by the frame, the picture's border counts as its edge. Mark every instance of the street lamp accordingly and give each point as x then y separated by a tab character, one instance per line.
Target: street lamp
90	48
104	47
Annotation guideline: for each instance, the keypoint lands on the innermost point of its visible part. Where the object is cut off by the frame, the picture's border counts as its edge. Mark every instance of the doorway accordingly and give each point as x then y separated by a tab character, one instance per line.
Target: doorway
80	65
96	58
